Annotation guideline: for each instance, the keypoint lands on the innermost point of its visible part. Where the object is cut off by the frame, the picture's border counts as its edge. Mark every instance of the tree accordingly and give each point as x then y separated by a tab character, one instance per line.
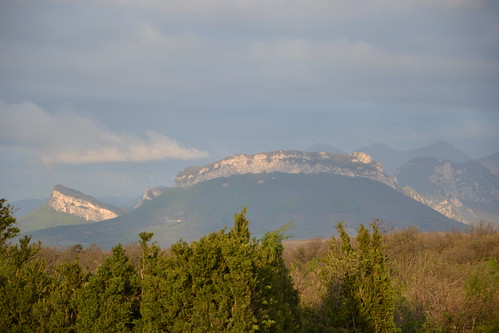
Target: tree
224	282
358	293
23	280
109	301
277	299
7	221
57	311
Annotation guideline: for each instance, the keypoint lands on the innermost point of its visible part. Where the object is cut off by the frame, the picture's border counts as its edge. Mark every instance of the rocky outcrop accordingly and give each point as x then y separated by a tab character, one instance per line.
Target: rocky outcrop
451	207
73	202
352	165
150	194
467	192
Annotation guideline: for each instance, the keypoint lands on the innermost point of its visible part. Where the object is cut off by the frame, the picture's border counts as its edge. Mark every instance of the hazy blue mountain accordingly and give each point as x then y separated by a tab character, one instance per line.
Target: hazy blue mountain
389	157
393	159
315	203
318	147
465	191
121	202
26	206
441	150
491	162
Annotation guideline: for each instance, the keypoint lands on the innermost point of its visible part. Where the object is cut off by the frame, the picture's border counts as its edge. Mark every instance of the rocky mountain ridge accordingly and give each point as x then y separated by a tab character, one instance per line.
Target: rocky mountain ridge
67	200
150	193
356	164
467	192
392	159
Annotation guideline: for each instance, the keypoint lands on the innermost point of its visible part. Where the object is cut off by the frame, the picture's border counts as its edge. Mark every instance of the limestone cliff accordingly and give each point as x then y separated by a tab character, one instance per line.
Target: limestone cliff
286	161
467	192
73	202
150	194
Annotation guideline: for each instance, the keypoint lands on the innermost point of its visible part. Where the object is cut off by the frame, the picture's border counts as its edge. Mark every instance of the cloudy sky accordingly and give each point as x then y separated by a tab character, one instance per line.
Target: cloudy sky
112	96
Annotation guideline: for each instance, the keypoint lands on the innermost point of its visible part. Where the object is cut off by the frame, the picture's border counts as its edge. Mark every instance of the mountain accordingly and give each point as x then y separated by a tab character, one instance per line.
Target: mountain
467	192
149	194
314	191
288	161
322	147
47	217
491	162
390	157
67	206
23	207
393	159
66	200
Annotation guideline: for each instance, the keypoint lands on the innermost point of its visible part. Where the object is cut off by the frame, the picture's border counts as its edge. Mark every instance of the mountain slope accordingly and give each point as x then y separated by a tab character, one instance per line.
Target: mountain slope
315	203
46	217
67	200
393	159
491	162
466	191
67	207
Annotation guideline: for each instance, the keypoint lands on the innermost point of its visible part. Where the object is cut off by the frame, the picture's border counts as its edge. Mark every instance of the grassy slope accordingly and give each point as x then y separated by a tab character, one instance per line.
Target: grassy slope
46	217
314	203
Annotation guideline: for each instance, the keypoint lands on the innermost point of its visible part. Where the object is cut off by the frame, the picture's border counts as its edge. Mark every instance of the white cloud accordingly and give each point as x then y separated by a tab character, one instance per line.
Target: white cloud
70	138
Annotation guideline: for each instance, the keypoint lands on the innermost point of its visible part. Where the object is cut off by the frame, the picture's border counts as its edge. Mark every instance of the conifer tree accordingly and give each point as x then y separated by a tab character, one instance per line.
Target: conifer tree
109	301
358	293
57	312
224	282
23	280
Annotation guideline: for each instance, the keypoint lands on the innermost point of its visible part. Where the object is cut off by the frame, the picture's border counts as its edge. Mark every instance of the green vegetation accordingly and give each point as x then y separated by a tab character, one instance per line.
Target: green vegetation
315	201
47	217
229	281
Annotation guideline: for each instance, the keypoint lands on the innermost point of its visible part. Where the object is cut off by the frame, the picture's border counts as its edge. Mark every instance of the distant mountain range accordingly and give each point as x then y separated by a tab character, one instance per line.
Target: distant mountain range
467	191
393	159
491	162
314	191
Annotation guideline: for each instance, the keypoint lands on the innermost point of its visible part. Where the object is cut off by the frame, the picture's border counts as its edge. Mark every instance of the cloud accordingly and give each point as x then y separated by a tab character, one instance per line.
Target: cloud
173	50
70	138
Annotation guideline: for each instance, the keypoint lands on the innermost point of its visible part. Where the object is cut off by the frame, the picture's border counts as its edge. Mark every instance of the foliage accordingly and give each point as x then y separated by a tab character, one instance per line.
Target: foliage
7	221
225	282
109	301
358	294
230	282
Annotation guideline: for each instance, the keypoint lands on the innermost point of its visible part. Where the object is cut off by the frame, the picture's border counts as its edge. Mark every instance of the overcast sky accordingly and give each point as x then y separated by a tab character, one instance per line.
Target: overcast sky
112	96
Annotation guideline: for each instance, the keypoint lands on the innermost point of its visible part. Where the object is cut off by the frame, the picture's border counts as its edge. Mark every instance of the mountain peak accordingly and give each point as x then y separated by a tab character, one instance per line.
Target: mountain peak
318	147
68	200
356	164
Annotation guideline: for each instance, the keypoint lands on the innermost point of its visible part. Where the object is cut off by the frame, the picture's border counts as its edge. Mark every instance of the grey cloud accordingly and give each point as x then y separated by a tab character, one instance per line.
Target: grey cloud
367	50
69	138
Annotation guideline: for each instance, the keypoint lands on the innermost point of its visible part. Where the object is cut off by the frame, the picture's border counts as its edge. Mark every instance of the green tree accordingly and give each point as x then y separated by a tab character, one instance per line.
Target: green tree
57	312
23	280
109	301
7	221
224	282
358	294
277	301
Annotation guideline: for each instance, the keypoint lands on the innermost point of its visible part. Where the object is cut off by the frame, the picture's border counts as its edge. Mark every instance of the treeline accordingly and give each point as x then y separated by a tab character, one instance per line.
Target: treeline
228	281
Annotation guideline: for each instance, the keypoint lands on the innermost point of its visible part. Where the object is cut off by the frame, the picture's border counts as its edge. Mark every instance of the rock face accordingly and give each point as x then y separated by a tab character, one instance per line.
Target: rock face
352	165
73	202
491	162
151	193
467	192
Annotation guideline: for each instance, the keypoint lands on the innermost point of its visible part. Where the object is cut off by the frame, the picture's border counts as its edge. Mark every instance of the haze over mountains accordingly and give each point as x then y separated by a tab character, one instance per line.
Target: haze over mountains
393	159
314	190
